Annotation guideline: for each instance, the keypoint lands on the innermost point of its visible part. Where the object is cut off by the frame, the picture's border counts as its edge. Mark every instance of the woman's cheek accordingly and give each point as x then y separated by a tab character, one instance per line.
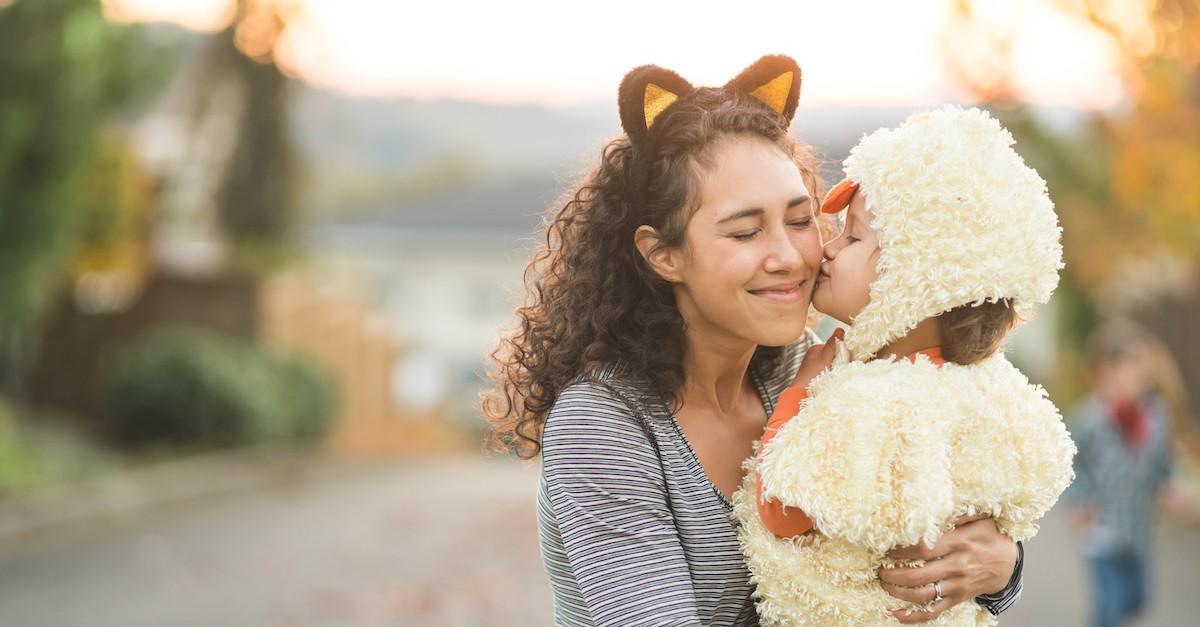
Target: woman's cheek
809	245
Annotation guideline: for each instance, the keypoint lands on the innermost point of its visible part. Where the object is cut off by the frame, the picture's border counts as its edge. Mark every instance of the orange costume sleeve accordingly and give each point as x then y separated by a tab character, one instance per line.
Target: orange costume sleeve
776	517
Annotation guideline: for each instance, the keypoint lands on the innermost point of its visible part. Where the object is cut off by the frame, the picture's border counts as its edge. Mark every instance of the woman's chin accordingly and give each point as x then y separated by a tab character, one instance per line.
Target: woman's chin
782	337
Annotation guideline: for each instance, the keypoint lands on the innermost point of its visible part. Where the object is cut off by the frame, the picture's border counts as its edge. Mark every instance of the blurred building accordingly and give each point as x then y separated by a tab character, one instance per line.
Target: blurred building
446	271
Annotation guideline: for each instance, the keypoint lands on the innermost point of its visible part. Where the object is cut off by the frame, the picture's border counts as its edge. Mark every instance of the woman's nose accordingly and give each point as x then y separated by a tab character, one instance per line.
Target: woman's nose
783	254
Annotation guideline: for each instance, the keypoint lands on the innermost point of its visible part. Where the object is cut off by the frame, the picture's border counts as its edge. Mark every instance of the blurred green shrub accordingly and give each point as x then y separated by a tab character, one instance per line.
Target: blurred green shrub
20	467
190	387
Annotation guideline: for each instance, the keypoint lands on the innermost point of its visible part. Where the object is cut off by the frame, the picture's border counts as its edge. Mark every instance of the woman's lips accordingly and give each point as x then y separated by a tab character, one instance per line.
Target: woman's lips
782	293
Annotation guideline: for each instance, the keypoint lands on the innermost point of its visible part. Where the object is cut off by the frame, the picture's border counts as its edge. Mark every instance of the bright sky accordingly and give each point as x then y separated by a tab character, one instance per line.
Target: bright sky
883	52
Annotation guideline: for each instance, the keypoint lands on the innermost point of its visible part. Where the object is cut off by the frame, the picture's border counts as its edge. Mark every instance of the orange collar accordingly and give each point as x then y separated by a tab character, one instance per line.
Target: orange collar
934	354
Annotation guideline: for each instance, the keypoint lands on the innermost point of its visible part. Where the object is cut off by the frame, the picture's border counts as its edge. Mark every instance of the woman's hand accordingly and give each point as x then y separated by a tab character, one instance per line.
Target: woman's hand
817	358
971	559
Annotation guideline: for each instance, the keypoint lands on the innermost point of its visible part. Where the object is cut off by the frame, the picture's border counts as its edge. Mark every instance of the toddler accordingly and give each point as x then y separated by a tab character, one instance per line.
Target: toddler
948	239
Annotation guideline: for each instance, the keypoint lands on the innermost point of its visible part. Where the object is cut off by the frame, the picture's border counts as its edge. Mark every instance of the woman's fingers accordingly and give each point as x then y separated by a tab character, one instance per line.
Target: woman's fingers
920	551
927	596
915	583
905	580
967	561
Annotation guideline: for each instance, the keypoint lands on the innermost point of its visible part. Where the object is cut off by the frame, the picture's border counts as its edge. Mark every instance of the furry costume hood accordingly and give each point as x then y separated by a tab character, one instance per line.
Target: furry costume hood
960	219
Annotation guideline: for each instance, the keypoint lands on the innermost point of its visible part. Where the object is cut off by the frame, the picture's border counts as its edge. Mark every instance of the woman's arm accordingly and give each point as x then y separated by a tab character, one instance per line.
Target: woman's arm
973	561
607	494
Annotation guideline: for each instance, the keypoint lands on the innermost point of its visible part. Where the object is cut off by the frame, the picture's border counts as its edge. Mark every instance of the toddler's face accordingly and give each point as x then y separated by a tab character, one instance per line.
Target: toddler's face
844	284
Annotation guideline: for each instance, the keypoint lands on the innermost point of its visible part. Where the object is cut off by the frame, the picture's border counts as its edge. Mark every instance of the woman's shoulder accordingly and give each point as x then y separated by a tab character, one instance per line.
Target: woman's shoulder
597	417
608	397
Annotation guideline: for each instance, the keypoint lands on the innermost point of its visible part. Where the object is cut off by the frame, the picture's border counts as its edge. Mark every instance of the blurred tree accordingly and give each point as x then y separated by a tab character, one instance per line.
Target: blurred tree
65	74
1127	187
113	259
256	200
1131	182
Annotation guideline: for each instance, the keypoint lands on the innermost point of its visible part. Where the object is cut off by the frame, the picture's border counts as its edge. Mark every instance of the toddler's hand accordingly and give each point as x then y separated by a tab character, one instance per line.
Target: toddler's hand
817	359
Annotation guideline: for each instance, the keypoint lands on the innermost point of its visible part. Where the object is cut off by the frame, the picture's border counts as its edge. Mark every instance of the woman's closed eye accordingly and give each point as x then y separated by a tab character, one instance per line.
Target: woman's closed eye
801	224
742	236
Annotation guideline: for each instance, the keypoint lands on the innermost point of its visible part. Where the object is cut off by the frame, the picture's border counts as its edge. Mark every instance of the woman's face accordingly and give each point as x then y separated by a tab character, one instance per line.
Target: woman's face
844	284
752	249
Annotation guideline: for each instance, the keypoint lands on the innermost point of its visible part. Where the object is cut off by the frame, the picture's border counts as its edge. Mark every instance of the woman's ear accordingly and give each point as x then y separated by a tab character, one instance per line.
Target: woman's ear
663	260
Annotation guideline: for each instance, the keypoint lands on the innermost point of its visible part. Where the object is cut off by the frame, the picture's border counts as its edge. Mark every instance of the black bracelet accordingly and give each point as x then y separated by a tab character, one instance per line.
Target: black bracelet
993	601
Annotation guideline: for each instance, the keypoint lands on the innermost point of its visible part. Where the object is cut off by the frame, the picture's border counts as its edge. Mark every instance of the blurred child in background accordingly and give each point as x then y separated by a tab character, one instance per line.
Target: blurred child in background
1124	466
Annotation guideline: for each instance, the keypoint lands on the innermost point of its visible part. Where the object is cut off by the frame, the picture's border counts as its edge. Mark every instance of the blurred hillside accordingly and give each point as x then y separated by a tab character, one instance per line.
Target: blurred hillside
361	153
364	154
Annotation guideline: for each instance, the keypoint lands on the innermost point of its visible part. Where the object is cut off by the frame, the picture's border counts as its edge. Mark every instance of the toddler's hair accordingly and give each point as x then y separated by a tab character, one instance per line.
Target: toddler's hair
971	333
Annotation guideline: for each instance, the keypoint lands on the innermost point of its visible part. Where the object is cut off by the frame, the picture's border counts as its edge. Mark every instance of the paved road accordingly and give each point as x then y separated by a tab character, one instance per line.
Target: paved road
436	543
445	542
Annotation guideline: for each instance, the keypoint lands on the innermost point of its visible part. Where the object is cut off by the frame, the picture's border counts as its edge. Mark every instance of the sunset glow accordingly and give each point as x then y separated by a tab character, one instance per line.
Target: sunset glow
857	52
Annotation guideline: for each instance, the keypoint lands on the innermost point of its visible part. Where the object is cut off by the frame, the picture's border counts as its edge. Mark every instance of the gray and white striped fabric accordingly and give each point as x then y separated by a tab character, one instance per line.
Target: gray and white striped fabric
630	540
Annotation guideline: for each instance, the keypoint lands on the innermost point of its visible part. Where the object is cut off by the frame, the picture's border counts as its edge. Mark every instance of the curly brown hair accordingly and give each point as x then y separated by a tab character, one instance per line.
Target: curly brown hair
591	299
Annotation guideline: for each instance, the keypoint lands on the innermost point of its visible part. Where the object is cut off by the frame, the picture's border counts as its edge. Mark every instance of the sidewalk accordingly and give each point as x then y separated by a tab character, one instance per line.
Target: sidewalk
429	541
296	538
123	493
299	540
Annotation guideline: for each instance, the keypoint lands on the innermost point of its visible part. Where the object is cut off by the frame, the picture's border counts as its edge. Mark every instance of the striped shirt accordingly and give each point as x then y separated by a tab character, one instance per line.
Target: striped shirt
632	530
629	536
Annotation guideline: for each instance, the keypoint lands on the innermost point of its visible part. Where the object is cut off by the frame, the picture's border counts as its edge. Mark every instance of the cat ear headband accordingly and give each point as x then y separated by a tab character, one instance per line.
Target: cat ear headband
648	91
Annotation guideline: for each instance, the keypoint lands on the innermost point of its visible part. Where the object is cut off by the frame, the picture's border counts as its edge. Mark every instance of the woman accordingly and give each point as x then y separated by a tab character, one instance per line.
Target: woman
665	313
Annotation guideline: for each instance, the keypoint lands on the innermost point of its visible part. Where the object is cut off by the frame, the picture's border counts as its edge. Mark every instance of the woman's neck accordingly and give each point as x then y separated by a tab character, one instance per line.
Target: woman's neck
926	335
715	377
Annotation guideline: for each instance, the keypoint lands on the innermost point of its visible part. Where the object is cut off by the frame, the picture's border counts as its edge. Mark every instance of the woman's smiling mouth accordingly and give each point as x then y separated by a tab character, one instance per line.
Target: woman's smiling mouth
782	293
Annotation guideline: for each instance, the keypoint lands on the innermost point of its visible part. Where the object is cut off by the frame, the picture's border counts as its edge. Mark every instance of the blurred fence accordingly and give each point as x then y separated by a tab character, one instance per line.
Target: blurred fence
329	321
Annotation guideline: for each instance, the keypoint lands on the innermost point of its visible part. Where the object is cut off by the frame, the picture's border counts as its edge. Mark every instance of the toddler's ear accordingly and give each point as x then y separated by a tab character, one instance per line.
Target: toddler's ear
663	260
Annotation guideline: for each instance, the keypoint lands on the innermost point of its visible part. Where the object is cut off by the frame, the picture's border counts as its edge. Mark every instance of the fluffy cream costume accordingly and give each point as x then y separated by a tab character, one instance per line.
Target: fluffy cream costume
885	453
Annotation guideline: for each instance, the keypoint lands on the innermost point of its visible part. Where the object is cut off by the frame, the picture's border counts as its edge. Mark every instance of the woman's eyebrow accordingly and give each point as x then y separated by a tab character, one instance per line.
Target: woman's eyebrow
797	201
754	212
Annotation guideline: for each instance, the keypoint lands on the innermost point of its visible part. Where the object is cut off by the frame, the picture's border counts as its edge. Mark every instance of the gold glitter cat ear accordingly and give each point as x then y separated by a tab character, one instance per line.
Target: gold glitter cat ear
773	79
645	92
